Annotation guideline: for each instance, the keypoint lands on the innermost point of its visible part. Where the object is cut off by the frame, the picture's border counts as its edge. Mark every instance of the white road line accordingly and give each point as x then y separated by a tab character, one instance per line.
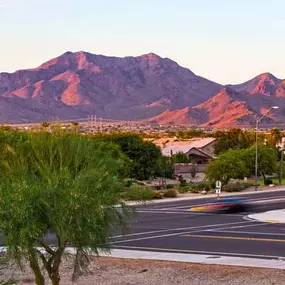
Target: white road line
235	227
197	229
184	228
249	233
202	252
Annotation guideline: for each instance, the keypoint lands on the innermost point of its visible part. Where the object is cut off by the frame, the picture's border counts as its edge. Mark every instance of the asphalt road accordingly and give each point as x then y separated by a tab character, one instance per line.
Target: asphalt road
171	227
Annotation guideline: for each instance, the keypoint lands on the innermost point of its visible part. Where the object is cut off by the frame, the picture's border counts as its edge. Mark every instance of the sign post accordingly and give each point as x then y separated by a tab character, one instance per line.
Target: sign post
218	189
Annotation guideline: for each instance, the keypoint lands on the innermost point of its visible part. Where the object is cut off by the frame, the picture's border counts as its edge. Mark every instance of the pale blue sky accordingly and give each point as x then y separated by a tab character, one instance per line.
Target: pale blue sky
228	41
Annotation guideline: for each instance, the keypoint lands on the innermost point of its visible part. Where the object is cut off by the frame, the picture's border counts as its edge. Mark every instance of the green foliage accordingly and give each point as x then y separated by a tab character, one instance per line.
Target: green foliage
63	184
169	186
191	133
138	193
170	193
146	158
233	139
268	182
180	157
164	167
182	183
237	164
267	160
228	165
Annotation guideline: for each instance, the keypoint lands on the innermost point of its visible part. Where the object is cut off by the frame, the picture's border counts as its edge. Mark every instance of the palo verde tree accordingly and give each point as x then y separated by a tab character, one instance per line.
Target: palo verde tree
65	185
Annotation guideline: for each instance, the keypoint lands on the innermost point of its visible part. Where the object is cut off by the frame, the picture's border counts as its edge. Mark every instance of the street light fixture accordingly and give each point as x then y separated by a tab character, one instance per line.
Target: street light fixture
256	144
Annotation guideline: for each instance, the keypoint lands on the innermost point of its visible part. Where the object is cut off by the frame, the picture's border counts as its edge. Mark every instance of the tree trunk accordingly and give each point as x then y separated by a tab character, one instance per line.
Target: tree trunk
264	178
34	264
54	272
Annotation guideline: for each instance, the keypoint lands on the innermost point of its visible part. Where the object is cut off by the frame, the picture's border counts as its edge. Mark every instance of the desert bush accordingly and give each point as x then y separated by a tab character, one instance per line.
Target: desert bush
157	195
170	193
138	193
268	182
183	183
235	187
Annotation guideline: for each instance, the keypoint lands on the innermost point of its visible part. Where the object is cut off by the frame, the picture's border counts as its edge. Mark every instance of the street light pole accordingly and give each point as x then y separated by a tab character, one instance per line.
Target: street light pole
256	153
256	143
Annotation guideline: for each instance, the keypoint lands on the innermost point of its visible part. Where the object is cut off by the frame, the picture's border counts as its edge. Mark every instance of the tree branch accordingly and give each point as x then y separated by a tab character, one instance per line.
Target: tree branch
47	248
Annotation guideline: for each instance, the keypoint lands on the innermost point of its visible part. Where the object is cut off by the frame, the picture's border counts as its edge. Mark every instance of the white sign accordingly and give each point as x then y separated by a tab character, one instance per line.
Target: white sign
218	184
218	187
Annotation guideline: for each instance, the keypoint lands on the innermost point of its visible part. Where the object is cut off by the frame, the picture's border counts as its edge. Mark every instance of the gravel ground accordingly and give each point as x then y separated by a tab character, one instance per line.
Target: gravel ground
110	271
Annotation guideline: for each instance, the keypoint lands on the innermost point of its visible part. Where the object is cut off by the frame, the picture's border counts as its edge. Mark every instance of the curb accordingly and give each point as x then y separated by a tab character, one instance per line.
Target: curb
201	196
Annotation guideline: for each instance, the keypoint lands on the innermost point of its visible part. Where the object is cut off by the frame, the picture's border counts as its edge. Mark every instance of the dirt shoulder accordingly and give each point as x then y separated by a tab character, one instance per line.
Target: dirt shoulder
111	271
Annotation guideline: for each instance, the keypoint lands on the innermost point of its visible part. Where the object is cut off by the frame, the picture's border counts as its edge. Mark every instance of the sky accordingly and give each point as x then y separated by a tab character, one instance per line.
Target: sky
227	41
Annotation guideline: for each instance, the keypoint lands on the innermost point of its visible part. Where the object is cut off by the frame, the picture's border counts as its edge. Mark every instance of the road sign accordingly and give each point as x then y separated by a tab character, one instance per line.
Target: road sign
218	184
218	189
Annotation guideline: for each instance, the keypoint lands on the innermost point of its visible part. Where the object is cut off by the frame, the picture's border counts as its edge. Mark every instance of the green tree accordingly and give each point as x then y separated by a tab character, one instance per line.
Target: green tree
62	184
164	167
235	138
267	160
229	165
275	137
144	155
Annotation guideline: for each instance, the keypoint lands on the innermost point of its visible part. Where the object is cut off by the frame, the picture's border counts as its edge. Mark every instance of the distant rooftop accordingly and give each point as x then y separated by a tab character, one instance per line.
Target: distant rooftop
176	146
190	143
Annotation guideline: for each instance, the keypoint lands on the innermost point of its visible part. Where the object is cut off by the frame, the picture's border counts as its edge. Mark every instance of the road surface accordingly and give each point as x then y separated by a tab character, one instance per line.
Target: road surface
170	227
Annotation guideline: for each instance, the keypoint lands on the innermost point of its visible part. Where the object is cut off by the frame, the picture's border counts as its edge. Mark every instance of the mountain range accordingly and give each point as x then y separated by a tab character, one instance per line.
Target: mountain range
145	88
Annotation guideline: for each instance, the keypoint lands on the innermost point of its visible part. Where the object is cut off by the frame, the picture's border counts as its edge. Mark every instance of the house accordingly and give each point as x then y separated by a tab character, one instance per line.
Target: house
199	150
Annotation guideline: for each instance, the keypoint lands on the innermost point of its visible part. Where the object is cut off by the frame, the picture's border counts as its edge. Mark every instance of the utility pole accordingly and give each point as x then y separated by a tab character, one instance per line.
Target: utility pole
281	145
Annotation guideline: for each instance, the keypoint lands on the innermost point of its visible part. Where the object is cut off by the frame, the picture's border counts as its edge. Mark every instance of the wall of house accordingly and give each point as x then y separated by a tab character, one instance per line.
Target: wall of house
183	168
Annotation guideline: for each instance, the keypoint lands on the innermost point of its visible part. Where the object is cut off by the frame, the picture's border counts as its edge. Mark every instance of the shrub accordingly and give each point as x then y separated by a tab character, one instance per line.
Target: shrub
138	193
183	183
203	186
128	183
268	182
157	195
184	189
171	193
169	186
235	187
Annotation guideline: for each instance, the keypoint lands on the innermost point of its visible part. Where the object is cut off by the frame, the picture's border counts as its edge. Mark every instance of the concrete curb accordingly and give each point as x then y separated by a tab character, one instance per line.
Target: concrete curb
214	259
276	262
201	196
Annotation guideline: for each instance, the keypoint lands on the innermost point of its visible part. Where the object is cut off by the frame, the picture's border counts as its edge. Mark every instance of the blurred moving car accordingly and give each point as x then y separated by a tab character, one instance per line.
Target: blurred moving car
224	205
